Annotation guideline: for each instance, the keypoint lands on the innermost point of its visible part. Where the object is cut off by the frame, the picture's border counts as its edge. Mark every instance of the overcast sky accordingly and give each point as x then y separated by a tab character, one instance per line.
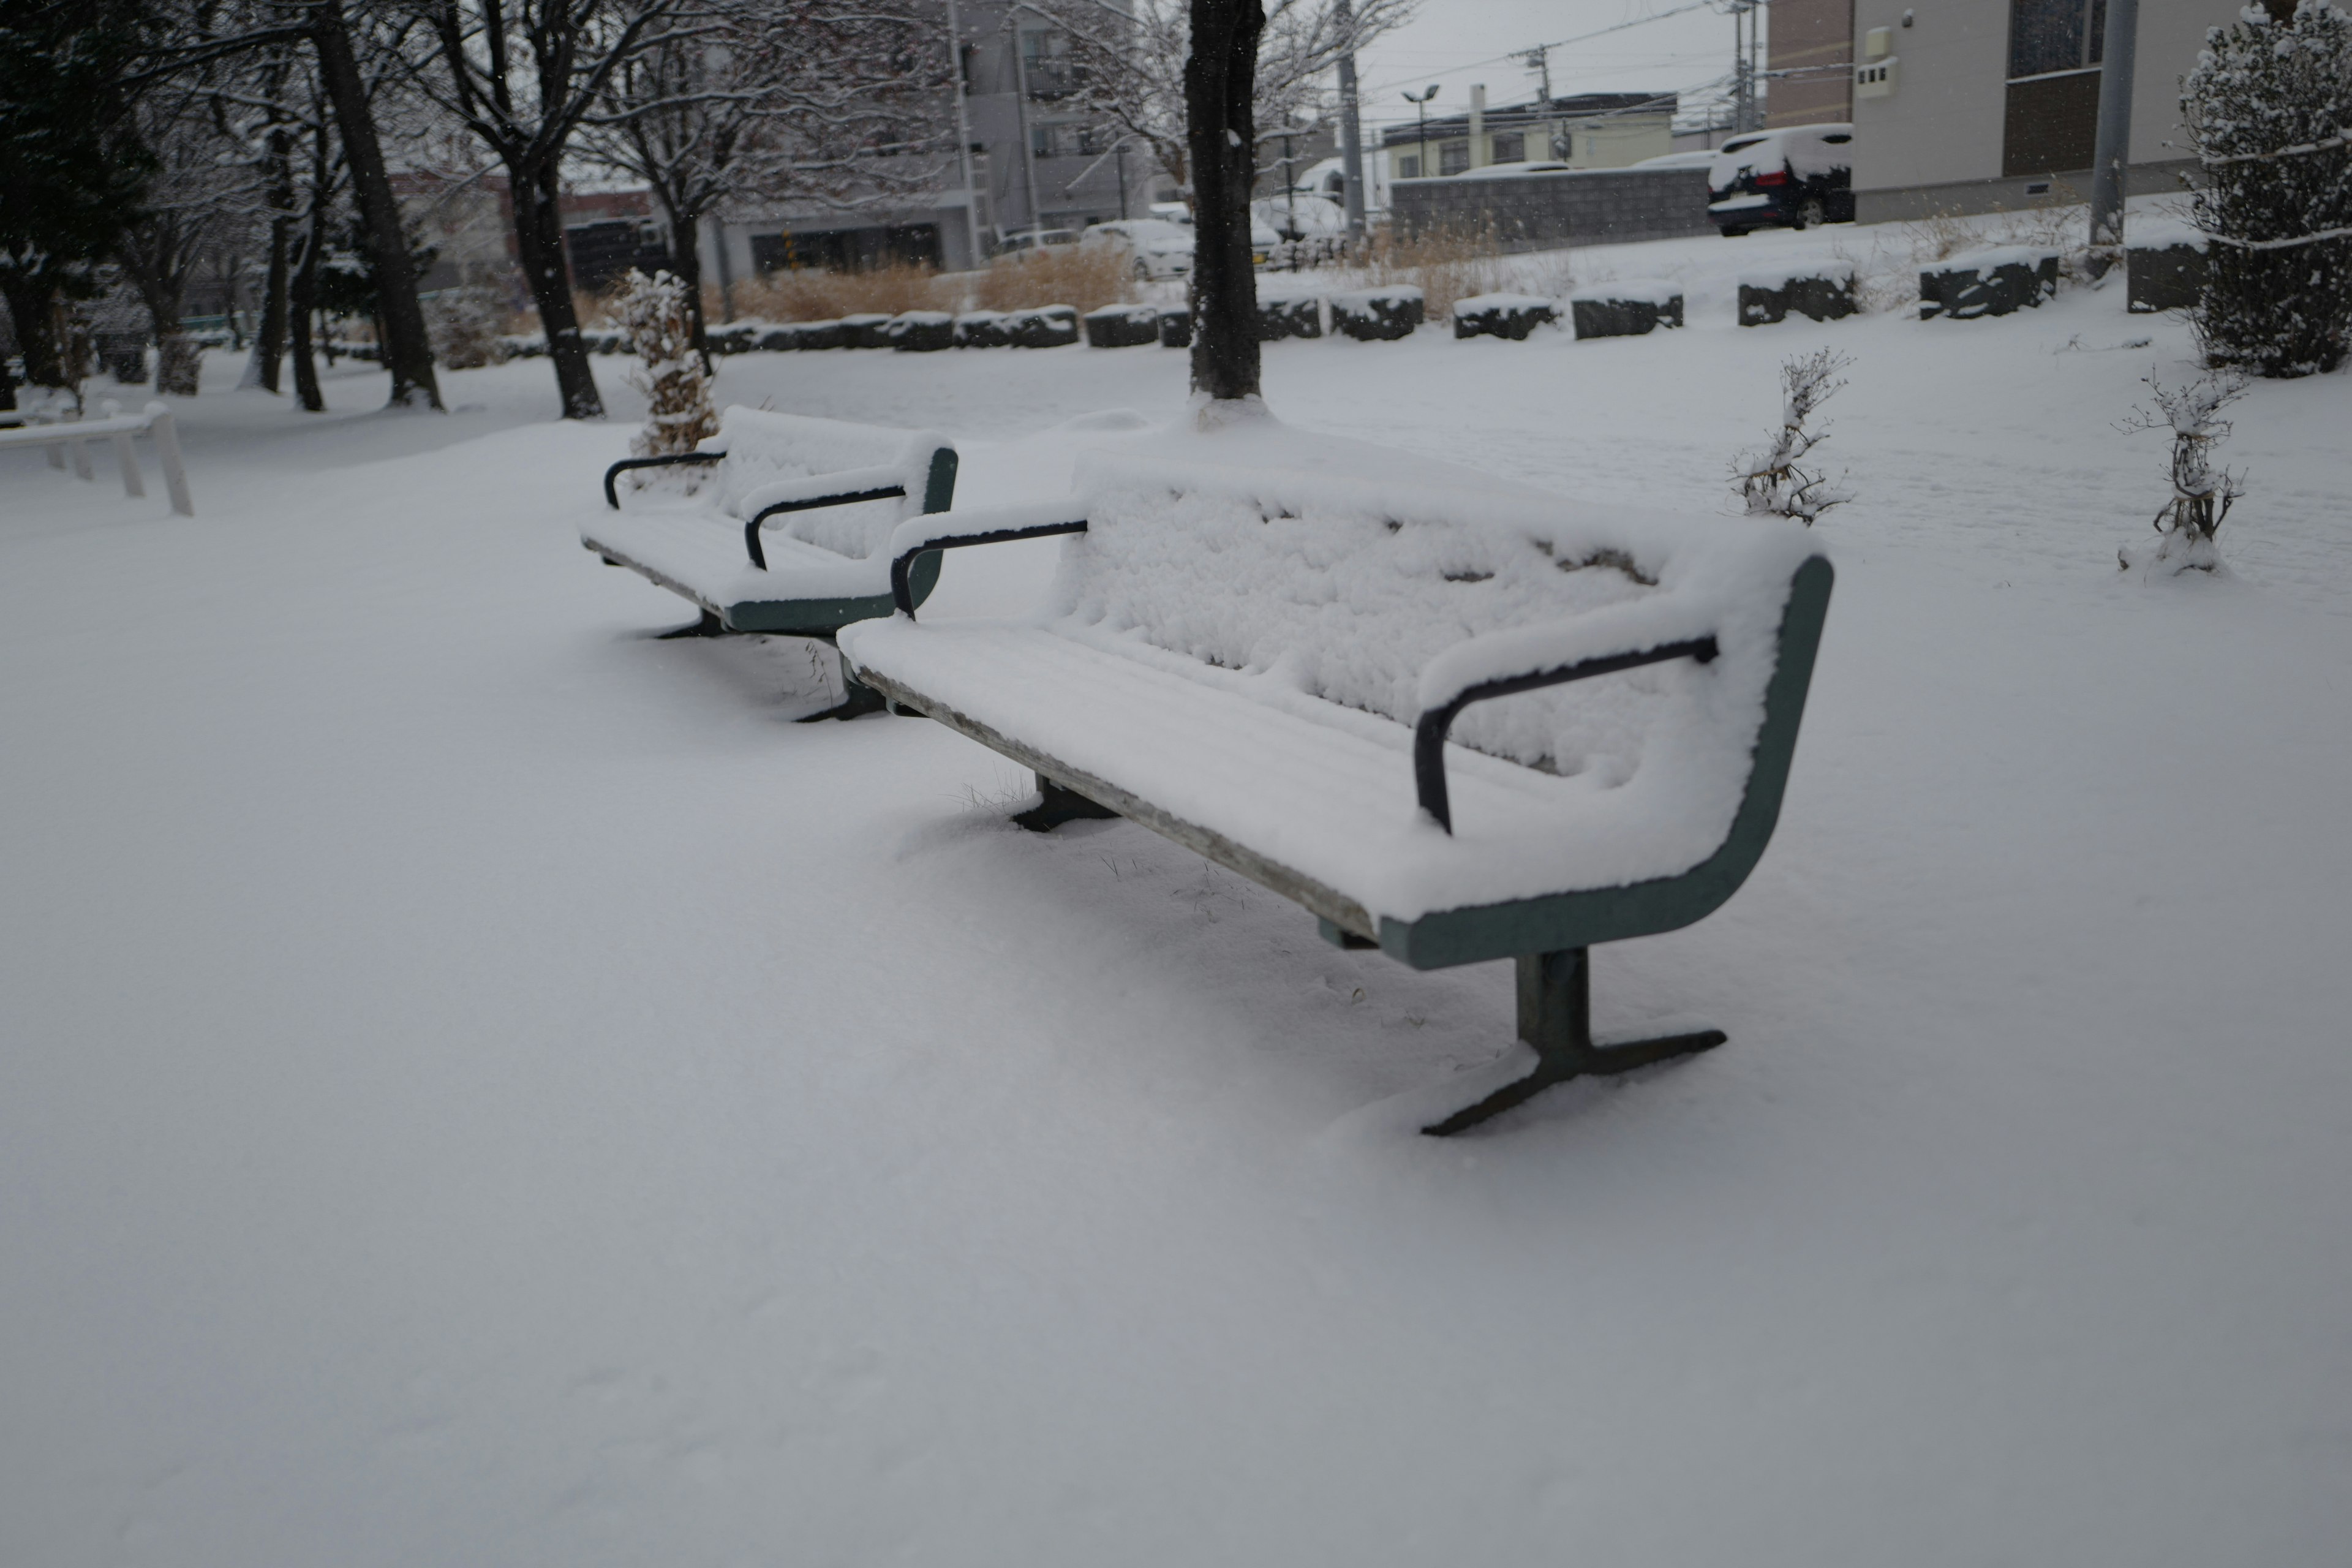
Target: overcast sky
1458	42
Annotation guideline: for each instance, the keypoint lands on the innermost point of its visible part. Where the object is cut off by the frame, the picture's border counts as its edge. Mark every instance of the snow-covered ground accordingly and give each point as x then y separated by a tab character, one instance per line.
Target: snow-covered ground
480	1086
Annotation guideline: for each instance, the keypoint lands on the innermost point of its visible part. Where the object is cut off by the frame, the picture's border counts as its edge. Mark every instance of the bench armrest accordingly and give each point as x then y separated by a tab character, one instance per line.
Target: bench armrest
810	493
955	530
1623	637
612	497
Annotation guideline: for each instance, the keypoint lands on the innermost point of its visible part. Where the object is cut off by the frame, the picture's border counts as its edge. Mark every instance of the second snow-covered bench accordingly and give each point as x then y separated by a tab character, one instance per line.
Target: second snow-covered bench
789	535
1456	719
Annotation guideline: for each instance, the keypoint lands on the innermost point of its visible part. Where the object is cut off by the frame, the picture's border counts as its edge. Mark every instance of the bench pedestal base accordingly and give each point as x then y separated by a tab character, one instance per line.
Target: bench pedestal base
1556	1018
1060	805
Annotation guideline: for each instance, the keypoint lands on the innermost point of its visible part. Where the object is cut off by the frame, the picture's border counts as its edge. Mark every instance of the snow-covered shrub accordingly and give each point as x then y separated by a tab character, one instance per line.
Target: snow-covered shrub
464	325
2202	493
2269	112
1774	480
660	331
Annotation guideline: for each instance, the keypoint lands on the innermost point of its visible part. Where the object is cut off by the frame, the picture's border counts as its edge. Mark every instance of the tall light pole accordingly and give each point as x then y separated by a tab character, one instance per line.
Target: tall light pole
1419	102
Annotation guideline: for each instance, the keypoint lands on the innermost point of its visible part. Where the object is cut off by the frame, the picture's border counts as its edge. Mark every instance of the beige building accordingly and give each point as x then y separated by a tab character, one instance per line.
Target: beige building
1590	131
1809	59
1980	105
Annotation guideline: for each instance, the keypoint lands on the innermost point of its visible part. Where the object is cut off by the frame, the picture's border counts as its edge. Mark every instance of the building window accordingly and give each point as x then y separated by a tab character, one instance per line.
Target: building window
2050	122
1453	157
1510	147
1409	166
1046	63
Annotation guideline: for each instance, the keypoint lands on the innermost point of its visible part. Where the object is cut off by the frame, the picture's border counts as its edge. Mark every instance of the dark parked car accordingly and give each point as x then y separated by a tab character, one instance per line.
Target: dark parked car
1796	177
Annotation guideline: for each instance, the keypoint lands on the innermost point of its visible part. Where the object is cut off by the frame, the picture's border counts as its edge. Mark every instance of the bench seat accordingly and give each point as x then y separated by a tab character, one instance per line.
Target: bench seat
806	588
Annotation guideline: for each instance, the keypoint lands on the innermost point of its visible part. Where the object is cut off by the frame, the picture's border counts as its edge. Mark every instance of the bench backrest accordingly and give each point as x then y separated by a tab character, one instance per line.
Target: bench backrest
763	448
1307	561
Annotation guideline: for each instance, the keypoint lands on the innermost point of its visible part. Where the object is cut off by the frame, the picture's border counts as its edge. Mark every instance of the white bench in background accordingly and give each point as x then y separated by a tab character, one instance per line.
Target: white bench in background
1278	648
73	437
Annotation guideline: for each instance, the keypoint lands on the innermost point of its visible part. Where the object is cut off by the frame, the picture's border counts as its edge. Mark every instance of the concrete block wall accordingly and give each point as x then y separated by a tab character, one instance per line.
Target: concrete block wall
1584	206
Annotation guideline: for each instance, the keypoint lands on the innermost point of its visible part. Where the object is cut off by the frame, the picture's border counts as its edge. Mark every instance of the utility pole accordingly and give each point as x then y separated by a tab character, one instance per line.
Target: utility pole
2113	157
1020	112
1351	133
963	139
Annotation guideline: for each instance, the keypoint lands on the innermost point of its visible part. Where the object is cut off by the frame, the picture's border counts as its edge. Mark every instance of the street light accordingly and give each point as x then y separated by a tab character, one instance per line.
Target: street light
1419	101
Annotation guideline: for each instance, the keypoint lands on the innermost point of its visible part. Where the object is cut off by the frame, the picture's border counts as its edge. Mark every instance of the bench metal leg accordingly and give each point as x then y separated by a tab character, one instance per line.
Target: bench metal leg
857	699
708	626
1060	805
1556	1018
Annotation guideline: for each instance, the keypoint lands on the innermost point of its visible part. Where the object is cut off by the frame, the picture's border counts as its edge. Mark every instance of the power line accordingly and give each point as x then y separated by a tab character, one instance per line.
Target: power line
1558	44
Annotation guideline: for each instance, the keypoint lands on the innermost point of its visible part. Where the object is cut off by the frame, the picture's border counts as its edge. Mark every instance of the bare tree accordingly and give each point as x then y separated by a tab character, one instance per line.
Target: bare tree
522	74
1132	68
1774	480
201	187
2201	493
1221	142
829	101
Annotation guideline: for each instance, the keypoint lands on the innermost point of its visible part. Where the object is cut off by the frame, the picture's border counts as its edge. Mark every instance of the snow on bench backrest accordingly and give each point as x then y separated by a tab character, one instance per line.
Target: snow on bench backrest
1345	584
763	448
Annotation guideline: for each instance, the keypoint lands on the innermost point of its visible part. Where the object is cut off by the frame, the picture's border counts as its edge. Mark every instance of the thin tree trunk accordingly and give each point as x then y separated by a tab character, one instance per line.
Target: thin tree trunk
1219	79
30	307
686	266
407	351
539	238
269	332
304	293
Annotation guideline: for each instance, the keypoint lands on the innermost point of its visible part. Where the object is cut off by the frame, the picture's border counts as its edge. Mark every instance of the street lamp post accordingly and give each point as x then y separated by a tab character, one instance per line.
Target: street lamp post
1419	102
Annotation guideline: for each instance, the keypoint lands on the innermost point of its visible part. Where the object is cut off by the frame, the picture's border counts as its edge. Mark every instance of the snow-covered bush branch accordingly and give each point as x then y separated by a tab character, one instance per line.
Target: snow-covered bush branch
2202	493
679	414
1774	480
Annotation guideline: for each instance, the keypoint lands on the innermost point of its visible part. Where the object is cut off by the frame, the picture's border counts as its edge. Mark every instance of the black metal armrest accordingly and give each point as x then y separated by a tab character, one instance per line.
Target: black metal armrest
758	552
612	497
902	592
1429	732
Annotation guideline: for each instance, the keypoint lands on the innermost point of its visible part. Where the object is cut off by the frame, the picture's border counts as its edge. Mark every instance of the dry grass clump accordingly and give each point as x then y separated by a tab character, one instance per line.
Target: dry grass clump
1448	265
811	294
1086	277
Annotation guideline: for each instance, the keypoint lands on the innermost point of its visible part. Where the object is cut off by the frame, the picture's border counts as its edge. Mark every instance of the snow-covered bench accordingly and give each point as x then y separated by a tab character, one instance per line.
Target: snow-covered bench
1278	649
73	437
790	536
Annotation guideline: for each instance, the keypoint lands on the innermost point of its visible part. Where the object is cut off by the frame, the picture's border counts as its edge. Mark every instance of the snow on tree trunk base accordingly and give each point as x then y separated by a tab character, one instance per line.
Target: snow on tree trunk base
661	330
179	362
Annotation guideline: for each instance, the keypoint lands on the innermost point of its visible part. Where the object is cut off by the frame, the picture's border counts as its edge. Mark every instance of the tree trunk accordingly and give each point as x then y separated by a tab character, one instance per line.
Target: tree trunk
1220	78
269	332
150	252
407	351
538	239
304	294
31	308
686	266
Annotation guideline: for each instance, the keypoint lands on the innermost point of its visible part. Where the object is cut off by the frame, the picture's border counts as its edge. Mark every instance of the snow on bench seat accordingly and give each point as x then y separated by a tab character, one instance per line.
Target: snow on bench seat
827	566
1237	648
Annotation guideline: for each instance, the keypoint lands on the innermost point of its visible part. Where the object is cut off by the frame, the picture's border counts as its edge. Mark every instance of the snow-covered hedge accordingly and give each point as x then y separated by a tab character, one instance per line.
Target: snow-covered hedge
1510	316
1988	283
922	332
1123	326
1625	310
1374	315
1820	291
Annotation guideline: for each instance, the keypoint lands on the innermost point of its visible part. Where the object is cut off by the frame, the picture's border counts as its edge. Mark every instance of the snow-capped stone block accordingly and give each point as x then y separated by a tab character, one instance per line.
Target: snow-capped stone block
866	330
1175	326
1988	283
1379	315
1295	316
1821	292
1122	326
2164	267
1046	327
1243	645
1625	310
922	332
982	329
826	562
736	337
1512	316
